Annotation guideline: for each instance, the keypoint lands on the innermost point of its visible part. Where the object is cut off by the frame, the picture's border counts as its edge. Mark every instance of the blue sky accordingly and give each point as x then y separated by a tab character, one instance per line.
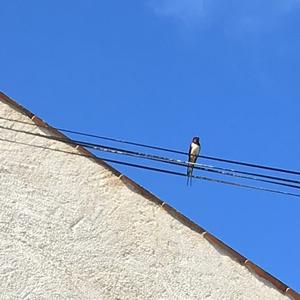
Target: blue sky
162	71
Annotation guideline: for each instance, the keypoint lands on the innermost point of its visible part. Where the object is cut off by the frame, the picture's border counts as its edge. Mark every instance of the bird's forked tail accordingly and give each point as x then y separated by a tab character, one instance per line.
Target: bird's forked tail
189	174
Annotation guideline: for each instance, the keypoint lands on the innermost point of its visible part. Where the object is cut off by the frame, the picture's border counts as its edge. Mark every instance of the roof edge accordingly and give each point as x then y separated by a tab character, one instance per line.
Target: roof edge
252	267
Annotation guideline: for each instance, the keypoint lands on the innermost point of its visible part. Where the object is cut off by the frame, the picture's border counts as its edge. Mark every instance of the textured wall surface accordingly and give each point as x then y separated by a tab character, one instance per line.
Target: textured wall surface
70	229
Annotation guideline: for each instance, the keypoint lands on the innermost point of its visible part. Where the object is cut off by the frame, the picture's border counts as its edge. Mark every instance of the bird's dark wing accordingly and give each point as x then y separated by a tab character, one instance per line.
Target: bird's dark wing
190	150
189	168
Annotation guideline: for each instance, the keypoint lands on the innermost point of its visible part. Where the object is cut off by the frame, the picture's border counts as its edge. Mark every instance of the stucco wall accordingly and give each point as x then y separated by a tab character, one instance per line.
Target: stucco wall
70	229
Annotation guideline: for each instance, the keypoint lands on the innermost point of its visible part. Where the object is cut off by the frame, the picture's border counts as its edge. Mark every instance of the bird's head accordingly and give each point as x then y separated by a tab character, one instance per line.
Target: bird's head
196	140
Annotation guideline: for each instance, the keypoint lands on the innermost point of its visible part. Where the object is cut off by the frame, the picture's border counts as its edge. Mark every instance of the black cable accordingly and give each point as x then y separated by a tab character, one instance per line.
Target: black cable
146	156
167	150
255	174
165	171
196	165
200	177
180	163
207	166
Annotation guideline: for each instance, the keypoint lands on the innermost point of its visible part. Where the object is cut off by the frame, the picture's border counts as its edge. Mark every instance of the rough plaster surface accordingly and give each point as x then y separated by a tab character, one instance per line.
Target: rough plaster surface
70	229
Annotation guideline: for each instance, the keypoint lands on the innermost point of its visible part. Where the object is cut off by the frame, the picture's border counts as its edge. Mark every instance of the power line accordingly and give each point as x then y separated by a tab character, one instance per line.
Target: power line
202	178
158	148
167	149
180	163
151	157
165	171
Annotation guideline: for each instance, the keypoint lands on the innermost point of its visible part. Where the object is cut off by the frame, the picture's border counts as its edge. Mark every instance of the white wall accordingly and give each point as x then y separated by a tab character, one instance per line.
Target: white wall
70	229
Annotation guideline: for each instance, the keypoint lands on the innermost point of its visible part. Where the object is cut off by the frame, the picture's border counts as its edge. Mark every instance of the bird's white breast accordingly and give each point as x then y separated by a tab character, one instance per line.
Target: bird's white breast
195	149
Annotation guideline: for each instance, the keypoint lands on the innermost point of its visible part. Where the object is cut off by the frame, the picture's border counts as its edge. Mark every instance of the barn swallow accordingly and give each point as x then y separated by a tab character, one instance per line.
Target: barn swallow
193	155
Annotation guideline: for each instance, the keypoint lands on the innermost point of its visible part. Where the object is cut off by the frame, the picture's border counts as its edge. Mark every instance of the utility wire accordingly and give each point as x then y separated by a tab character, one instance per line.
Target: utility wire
201	178
167	149
150	157
178	162
168	171
157	148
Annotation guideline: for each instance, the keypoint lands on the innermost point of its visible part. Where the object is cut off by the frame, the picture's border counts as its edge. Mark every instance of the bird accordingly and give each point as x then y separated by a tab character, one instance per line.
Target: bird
194	151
